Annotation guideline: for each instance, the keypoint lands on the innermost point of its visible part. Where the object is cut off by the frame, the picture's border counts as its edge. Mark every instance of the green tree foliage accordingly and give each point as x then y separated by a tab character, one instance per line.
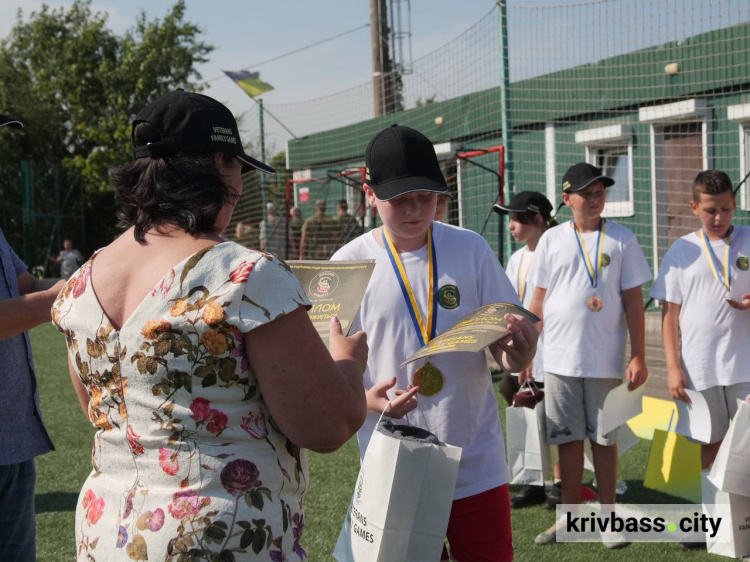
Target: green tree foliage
77	86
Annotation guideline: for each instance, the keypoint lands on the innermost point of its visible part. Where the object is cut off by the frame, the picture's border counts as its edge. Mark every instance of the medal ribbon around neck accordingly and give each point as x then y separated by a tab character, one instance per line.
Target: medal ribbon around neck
522	282
591	271
714	261
411	301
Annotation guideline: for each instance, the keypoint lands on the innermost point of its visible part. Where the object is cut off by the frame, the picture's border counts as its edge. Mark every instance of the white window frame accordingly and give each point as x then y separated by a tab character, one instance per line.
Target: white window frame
449	149
550	167
740	114
660	116
607	138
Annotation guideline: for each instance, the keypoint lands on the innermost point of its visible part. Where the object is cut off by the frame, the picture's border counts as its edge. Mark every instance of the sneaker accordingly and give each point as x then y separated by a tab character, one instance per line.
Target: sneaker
547	537
554	497
691	545
528	496
614	540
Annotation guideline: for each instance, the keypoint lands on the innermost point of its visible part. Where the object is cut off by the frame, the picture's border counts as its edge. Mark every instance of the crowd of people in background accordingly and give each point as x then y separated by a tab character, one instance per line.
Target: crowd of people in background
314	238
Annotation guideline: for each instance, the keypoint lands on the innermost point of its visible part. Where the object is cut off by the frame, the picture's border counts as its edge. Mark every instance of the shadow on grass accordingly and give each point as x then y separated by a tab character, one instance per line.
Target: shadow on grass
56	501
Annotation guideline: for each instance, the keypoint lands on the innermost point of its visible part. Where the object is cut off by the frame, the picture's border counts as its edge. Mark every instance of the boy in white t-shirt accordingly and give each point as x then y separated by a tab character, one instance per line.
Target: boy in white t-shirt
704	287
588	274
428	276
530	214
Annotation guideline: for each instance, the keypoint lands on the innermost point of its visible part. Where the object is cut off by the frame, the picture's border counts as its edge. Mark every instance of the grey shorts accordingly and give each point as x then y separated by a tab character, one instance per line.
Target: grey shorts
722	404
573	407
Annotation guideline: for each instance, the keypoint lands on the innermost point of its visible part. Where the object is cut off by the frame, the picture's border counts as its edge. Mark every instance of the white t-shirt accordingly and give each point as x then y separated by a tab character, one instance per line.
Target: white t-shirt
715	346
577	341
464	413
518	271
70	261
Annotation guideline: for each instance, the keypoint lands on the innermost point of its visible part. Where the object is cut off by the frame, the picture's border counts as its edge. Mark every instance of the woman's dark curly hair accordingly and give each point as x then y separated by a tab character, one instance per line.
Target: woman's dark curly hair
185	189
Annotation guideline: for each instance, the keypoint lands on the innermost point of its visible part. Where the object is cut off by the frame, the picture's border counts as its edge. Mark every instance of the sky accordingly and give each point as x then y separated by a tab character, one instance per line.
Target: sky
247	32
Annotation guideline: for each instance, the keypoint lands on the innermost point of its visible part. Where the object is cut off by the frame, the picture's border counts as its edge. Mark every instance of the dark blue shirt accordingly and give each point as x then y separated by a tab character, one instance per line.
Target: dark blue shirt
22	432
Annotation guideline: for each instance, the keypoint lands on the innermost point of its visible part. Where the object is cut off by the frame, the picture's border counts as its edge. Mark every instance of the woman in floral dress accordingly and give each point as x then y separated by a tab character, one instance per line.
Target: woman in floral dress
195	360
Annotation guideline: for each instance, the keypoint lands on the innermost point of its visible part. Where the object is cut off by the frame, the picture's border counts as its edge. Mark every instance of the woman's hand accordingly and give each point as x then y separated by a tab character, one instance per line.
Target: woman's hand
353	348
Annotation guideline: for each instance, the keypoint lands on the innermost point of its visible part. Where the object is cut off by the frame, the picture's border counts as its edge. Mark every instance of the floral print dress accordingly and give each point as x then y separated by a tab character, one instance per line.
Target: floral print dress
187	462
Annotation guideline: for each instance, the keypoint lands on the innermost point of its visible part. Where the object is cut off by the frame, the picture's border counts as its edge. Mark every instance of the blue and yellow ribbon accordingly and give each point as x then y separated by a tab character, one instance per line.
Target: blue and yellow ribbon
522	282
411	301
593	272
714	261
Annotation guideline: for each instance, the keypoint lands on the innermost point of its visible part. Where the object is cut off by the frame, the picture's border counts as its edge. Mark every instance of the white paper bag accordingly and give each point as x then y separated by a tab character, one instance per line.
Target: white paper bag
731	469
402	499
733	537
526	441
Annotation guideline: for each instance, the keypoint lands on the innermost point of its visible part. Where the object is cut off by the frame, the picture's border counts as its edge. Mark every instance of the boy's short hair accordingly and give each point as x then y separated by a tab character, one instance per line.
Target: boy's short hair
711	182
343	204
401	160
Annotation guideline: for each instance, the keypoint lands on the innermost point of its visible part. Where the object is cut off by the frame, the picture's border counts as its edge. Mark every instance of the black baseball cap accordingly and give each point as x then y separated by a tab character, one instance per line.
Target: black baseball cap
580	175
11	122
400	160
190	122
526	202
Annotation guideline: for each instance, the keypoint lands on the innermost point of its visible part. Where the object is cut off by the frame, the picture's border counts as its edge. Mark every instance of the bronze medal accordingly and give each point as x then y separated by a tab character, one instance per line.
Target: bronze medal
429	379
594	303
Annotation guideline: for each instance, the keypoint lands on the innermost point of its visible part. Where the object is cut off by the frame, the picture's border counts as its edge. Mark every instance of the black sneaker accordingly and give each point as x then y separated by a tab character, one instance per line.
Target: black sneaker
554	497
692	545
528	496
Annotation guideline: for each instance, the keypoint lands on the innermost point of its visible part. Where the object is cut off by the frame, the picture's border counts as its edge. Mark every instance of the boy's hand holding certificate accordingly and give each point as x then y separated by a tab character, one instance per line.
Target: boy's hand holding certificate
482	327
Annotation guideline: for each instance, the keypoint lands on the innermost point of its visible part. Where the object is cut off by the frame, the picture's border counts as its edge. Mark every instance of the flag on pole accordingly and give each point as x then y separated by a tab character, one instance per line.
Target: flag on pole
249	81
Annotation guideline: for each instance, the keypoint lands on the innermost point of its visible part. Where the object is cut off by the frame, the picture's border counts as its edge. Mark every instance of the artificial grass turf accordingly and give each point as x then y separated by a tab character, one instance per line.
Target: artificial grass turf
332	477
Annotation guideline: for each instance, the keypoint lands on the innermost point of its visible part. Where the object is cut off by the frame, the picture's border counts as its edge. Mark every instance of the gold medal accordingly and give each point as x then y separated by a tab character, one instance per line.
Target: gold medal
429	379
594	303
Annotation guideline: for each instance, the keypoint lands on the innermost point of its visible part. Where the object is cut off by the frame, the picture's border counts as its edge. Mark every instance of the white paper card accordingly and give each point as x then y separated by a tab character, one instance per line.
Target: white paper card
620	405
694	419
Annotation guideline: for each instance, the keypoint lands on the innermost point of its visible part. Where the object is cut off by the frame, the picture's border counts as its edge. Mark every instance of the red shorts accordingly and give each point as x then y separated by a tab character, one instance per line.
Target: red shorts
479	528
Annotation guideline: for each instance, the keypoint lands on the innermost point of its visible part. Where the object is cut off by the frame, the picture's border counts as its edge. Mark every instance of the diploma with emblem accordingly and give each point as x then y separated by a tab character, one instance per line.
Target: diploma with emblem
335	288
482	327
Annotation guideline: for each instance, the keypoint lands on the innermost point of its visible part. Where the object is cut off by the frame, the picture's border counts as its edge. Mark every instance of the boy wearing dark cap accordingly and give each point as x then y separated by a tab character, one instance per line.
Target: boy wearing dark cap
588	275
428	276
530	216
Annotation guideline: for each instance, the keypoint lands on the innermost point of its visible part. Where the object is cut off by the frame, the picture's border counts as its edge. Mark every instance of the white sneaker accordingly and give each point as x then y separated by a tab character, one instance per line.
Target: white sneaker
614	540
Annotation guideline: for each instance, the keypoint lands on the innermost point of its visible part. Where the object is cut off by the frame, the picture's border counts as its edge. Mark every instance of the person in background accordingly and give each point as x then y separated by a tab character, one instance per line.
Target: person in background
530	216
317	239
203	417
69	259
442	207
273	233
247	235
25	302
344	226
295	231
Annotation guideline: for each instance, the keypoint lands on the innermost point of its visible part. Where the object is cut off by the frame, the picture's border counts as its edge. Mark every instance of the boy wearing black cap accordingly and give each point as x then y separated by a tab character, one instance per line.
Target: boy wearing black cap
530	216
588	275
428	276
